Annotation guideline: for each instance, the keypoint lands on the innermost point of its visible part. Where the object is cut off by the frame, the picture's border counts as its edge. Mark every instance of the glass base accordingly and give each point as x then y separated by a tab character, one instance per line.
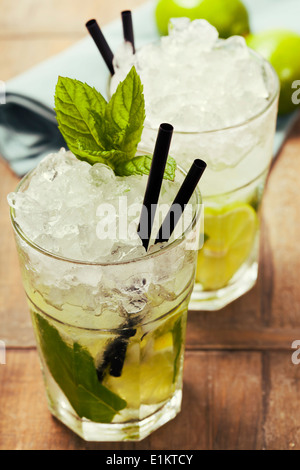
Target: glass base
243	280
131	430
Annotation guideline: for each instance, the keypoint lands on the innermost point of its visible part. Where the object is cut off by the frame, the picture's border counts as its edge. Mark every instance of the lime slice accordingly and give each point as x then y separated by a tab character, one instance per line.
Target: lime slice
151	380
282	49
157	378
230	234
230	17
164	342
127	384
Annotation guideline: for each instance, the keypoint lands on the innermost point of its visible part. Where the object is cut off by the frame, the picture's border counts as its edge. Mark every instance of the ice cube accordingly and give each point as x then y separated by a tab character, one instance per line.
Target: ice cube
101	173
123	56
177	24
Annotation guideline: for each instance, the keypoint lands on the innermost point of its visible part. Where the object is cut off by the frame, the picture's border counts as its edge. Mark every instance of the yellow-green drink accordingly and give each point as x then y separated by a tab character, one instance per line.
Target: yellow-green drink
222	99
109	318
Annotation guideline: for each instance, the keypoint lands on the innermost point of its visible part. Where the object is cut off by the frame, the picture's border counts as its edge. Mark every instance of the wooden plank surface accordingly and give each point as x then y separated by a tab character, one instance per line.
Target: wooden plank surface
232	400
221	391
240	386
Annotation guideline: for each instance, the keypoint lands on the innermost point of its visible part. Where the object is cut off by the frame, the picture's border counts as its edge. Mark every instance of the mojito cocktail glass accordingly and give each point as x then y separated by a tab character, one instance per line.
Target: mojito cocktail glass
111	334
228	261
222	99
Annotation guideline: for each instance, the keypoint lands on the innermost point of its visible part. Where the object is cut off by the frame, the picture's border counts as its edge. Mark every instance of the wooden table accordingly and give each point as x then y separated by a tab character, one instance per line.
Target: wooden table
240	385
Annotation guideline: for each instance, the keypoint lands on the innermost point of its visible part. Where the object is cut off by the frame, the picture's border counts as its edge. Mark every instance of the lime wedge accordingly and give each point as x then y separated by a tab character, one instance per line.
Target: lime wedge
149	382
230	234
164	342
157	378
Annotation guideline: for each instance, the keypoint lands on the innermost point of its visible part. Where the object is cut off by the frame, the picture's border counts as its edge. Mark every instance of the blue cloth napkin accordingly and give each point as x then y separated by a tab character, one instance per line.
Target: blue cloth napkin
28	128
28	131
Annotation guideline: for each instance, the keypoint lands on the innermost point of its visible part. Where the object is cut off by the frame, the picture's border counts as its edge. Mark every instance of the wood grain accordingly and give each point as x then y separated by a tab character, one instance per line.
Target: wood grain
14	318
240	386
35	30
281	427
30	51
232	400
57	17
222	390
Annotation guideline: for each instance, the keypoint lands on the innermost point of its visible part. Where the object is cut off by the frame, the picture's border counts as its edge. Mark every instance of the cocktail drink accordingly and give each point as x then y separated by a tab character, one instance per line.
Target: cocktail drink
109	317
222	99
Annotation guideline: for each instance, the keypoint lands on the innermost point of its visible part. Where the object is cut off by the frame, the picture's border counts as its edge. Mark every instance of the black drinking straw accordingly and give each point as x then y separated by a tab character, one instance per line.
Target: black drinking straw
181	199
154	183
114	355
128	28
100	41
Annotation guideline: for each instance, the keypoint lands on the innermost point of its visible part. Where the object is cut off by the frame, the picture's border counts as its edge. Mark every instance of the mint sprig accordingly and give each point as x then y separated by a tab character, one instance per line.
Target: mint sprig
140	165
73	102
73	369
98	131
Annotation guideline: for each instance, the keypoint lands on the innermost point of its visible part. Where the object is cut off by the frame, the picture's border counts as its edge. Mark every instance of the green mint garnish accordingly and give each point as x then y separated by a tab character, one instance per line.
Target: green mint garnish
73	369
205	237
98	131
140	165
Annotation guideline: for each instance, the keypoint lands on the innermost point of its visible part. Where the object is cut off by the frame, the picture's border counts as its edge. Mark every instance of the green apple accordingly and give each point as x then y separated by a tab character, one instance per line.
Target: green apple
282	49
230	17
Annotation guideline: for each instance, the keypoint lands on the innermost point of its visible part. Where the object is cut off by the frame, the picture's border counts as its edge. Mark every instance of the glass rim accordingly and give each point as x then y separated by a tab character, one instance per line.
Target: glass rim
269	103
176	242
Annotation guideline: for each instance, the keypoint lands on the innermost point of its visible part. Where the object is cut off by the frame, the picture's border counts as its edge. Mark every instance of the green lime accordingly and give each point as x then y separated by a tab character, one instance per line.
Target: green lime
230	17
230	233
282	49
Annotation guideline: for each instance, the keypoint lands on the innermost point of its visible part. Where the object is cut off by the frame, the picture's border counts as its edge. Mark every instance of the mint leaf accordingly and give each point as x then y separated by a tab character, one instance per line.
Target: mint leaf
74	101
100	132
140	165
92	156
73	369
125	115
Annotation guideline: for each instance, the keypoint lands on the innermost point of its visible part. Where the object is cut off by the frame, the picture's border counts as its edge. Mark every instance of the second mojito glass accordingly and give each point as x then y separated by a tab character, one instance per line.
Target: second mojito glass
238	160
